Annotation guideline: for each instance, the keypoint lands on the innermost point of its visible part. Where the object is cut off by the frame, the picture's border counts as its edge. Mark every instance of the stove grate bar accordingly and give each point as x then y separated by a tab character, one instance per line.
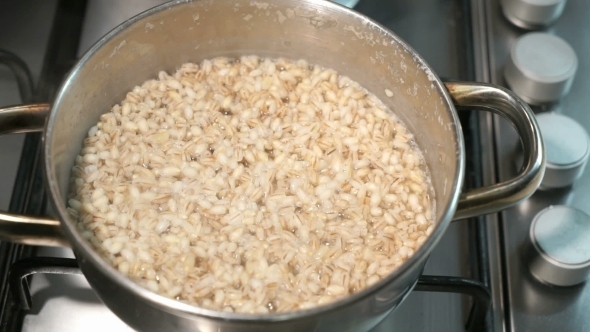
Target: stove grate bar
18	276
21	73
477	290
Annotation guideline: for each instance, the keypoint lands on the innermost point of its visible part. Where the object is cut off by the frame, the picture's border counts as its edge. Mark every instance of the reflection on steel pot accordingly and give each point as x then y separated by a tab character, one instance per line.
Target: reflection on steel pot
347	3
322	33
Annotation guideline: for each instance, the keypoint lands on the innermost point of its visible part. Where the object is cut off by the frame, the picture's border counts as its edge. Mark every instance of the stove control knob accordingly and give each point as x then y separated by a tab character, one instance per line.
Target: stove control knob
532	14
567	147
541	68
560	253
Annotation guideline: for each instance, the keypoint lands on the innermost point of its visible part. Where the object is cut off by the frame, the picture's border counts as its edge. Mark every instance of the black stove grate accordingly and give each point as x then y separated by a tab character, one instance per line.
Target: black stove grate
10	252
28	196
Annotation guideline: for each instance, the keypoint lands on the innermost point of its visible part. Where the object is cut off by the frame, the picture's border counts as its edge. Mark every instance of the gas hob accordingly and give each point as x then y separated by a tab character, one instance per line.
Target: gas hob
482	258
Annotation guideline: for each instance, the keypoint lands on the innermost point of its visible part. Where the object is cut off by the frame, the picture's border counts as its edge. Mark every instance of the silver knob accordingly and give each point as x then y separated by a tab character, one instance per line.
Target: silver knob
532	14
561	249
541	68
567	148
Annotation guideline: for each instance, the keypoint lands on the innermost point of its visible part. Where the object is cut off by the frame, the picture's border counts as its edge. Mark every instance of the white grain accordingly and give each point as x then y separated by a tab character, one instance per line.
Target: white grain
252	186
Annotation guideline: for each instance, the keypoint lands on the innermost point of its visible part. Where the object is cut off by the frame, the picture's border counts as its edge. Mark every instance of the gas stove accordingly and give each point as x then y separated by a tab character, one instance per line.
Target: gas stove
474	280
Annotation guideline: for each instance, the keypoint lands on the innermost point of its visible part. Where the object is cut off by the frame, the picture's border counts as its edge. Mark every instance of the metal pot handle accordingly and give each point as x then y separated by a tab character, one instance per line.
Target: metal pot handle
23	118
26	229
496	197
465	96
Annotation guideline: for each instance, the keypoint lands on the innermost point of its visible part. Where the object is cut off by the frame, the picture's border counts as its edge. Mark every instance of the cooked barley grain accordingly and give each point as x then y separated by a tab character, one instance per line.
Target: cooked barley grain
252	186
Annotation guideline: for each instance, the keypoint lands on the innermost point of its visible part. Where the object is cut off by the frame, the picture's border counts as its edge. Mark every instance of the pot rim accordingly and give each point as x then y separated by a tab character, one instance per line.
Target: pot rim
85	252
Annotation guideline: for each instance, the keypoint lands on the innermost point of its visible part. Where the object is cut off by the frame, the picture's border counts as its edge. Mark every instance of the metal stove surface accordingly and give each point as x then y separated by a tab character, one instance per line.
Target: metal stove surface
521	302
67	303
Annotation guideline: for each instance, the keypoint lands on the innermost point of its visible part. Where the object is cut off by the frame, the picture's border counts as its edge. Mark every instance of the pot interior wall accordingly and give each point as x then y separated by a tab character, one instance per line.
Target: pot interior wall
321	33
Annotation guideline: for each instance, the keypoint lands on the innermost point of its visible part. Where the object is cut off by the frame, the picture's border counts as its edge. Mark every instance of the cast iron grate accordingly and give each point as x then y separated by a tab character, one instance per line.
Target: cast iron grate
28	195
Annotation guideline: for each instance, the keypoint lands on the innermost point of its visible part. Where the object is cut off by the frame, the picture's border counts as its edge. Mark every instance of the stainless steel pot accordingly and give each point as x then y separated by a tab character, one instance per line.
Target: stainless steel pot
323	33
